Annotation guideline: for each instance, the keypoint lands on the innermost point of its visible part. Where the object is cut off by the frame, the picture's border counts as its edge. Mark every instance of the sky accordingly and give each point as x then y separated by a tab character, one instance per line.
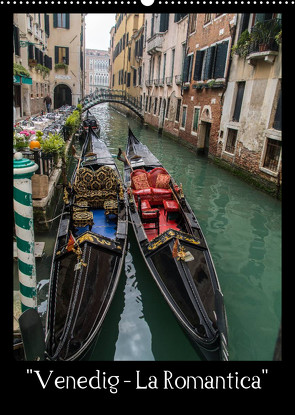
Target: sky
98	26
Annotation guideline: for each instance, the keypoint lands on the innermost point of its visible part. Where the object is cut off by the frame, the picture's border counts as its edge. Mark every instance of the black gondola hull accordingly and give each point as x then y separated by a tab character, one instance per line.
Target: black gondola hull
87	263
191	288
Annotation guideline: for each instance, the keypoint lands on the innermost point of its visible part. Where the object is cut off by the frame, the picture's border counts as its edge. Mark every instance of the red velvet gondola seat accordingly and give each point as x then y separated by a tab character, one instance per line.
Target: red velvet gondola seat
152	186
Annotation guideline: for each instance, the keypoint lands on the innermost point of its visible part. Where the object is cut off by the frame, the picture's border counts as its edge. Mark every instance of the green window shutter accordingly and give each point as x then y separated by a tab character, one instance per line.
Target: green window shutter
208	68
67	56
55	54
220	61
67	20
54	19
198	65
30	51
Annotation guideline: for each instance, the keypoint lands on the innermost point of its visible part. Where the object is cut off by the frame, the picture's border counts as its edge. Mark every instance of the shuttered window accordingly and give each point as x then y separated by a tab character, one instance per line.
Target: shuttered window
61	54
198	65
211	63
16	40
187	68
239	100
61	20
220	60
277	125
164	22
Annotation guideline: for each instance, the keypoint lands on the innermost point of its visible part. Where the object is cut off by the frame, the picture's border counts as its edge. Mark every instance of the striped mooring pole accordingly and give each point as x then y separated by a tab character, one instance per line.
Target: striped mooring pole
23	169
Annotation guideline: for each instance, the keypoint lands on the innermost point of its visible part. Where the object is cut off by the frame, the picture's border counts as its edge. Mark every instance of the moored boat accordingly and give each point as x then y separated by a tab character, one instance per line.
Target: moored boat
88	254
91	121
175	250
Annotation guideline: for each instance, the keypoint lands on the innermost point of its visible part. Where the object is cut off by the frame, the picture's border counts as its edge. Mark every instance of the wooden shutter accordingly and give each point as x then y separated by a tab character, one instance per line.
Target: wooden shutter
186	69
54	19
16	40
67	20
198	65
67	56
164	22
56	54
30	51
220	61
209	63
46	24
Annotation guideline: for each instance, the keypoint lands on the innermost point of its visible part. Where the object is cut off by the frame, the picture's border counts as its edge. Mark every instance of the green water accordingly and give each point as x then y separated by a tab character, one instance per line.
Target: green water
243	229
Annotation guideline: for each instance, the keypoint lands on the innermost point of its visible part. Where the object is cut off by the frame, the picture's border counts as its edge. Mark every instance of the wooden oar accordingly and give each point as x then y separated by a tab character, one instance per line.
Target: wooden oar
125	157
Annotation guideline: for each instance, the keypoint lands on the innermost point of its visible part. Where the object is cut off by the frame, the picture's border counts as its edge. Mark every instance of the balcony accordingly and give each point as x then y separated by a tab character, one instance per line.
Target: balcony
178	79
154	44
169	80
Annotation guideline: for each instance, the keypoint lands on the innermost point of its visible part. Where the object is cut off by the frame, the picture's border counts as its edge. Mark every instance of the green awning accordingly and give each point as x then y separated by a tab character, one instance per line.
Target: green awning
23	79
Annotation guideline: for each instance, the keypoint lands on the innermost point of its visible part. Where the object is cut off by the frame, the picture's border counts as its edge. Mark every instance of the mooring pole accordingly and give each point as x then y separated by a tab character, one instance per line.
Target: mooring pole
23	169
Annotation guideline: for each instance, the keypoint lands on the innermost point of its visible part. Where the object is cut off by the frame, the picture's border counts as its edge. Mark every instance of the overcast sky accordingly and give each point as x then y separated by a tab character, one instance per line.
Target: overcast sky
98	26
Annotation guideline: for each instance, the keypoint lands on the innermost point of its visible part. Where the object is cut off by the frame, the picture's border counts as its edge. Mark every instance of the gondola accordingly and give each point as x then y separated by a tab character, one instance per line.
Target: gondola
91	121
88	254
175	250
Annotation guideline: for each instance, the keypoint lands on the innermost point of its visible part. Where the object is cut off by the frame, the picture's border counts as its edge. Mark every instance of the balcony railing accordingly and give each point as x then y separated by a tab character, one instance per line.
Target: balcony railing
169	80
178	79
154	44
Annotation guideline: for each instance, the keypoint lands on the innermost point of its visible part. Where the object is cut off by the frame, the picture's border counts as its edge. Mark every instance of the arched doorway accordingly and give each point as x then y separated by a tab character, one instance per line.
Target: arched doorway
62	95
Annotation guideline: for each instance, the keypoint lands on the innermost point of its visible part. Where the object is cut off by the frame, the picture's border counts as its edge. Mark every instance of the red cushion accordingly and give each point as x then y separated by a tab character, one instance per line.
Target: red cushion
161	192
162	181
143	192
140	181
171	205
145	205
153	174
151	214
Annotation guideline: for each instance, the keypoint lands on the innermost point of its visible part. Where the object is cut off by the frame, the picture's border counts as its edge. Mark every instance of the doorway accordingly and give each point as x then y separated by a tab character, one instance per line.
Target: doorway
204	140
62	96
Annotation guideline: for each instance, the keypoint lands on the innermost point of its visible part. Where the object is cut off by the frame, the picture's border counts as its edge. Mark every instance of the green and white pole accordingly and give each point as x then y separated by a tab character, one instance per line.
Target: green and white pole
23	169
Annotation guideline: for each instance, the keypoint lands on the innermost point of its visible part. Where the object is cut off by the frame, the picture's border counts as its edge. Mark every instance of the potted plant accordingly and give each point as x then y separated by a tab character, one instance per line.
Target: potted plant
61	66
264	33
20	141
53	145
242	46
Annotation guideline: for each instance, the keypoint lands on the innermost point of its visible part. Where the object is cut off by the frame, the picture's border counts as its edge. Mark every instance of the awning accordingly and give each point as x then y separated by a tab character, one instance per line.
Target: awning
17	79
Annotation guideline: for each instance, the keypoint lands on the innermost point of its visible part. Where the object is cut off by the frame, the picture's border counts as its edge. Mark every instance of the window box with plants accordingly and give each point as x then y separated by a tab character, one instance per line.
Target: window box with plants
61	66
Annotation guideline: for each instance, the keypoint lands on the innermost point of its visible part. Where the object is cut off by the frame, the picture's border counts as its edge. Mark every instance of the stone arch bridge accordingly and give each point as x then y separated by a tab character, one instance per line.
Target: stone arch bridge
112	95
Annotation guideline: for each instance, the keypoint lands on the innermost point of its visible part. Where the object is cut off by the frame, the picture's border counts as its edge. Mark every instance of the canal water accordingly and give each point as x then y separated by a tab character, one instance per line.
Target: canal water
242	226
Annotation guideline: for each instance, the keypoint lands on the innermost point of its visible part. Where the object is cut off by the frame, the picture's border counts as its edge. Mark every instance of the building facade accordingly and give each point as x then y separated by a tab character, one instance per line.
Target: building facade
96	70
127	39
250	136
163	57
205	71
49	50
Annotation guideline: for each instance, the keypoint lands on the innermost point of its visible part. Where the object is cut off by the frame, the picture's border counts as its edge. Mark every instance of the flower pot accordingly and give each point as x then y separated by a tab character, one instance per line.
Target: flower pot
263	47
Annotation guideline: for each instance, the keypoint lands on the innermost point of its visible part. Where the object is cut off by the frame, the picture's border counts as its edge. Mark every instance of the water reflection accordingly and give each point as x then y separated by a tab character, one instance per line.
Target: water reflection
134	341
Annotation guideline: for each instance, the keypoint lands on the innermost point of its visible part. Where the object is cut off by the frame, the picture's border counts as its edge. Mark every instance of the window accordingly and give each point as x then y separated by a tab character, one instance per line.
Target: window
61	20
192	22
172	62
239	100
168	106
178	109
231	140
183	119
155	105
61	54
272	154
164	22
277	125
160	104
207	18
179	16
196	119
187	68
211	62
128	79
134	77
